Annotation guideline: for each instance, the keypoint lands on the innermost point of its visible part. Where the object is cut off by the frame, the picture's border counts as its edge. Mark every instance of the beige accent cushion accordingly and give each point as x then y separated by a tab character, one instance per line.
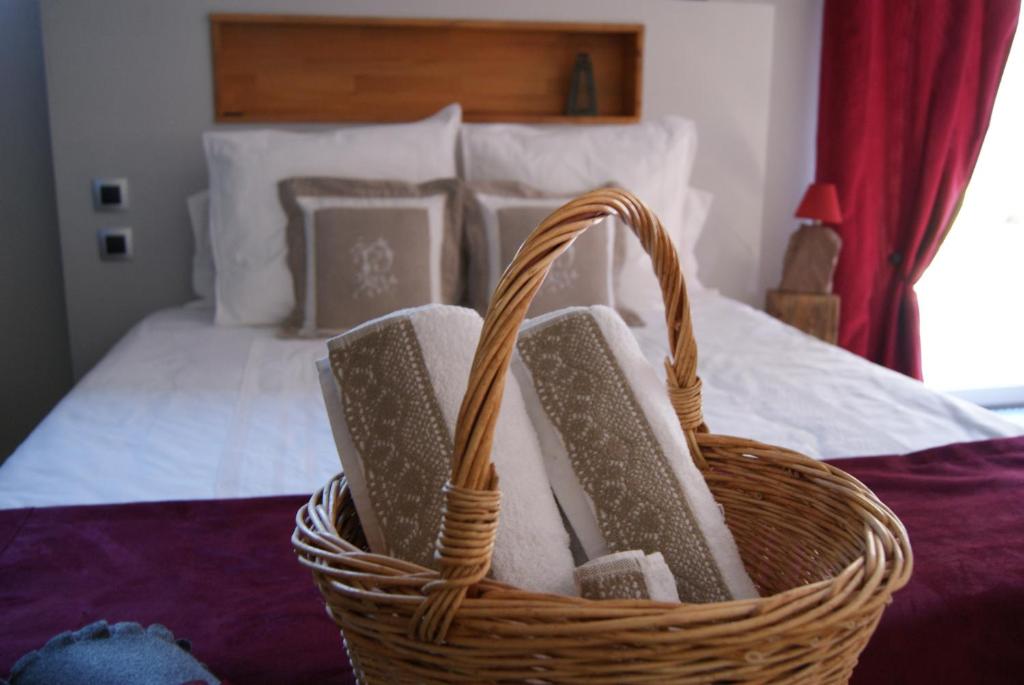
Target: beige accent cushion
499	217
360	249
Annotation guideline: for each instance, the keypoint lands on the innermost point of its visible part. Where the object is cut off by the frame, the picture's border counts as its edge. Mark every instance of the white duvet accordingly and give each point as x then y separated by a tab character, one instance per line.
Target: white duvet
183	409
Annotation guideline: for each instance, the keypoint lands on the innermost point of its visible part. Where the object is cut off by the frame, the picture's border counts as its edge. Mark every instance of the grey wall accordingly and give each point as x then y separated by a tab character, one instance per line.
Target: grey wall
130	93
792	126
34	359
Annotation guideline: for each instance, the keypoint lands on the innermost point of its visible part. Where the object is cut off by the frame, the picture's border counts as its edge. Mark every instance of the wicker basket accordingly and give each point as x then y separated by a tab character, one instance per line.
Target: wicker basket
825	554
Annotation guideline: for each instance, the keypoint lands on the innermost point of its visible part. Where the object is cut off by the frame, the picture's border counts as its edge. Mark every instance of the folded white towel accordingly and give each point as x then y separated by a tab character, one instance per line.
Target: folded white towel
393	387
627	575
616	456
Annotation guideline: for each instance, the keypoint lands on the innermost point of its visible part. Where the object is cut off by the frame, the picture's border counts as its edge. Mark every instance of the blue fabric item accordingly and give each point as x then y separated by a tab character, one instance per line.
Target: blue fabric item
119	654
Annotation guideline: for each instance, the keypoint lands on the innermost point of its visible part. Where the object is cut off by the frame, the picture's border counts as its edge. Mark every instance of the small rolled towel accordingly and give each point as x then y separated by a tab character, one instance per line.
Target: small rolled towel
627	575
392	388
615	453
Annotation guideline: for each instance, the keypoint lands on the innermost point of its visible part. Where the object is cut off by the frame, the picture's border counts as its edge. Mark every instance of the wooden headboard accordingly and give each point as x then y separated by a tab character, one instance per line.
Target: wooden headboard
279	68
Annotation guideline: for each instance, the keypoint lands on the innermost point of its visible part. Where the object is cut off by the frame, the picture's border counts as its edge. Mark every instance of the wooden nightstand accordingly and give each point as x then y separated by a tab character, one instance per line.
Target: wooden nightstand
814	313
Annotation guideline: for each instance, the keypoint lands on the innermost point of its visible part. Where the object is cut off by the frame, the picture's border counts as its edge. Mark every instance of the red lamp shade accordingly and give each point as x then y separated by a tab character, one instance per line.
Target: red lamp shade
820	202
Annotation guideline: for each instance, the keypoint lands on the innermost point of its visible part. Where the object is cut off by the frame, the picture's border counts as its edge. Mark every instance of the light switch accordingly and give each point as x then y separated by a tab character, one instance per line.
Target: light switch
115	243
110	194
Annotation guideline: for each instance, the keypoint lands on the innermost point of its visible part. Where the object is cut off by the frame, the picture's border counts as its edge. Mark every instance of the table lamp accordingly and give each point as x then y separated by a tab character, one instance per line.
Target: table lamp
820	205
814	248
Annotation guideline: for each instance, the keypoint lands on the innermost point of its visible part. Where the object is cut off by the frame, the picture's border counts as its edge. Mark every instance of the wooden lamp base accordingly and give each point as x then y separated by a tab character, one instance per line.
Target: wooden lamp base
813	313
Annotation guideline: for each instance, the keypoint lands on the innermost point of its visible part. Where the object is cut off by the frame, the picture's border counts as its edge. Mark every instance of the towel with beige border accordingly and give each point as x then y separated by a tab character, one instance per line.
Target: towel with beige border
584	422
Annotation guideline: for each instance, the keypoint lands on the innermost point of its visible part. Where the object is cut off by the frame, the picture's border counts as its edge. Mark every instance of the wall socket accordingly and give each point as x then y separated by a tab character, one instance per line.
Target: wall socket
115	244
110	194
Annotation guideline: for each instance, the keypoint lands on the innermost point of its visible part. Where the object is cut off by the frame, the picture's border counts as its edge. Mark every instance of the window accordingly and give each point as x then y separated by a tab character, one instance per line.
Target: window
972	296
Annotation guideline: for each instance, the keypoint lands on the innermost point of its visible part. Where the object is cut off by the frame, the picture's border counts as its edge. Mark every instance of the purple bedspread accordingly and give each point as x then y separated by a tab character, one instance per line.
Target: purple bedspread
222	574
960	619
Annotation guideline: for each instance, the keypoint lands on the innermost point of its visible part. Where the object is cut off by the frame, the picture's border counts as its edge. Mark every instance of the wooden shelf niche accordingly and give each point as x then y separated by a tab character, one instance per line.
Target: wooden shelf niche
280	68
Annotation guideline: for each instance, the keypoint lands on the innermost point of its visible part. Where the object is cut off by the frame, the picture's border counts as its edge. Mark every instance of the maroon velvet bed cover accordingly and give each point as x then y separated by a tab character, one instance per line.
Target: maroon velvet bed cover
222	574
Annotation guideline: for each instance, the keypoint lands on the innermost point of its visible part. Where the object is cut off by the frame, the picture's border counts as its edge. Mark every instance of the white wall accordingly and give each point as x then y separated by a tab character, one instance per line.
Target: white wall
35	367
130	93
792	125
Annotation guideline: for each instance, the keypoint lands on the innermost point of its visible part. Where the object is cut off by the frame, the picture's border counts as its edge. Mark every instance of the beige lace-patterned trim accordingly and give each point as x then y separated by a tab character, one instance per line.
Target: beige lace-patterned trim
638	500
400	433
618	579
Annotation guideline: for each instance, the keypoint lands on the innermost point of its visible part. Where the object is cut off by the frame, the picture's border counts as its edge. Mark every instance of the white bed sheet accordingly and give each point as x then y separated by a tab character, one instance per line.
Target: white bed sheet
183	409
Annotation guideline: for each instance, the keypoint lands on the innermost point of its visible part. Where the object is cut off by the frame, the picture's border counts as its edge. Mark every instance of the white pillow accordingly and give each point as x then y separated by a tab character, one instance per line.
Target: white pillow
637	284
203	271
695	217
652	159
247	223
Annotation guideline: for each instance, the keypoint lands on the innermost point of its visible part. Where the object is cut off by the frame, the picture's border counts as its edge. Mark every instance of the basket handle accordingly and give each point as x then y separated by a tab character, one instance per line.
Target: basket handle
470	519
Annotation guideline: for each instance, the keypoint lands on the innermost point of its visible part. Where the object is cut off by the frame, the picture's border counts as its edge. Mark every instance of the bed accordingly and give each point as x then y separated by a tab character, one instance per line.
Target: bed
184	409
215	418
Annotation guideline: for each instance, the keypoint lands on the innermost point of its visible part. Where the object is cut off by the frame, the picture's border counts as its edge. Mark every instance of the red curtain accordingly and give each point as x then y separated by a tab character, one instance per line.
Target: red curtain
907	88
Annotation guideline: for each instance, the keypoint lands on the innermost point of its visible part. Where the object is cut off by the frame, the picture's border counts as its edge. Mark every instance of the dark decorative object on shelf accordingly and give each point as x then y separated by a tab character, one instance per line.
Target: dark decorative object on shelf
582	74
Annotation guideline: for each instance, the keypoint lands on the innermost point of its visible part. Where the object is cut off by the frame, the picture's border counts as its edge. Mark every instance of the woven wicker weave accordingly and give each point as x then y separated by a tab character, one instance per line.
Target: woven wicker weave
825	554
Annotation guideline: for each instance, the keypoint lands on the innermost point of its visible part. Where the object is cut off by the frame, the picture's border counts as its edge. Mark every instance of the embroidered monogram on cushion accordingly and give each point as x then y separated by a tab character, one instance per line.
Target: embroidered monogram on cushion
398	428
578	277
639	502
367	263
